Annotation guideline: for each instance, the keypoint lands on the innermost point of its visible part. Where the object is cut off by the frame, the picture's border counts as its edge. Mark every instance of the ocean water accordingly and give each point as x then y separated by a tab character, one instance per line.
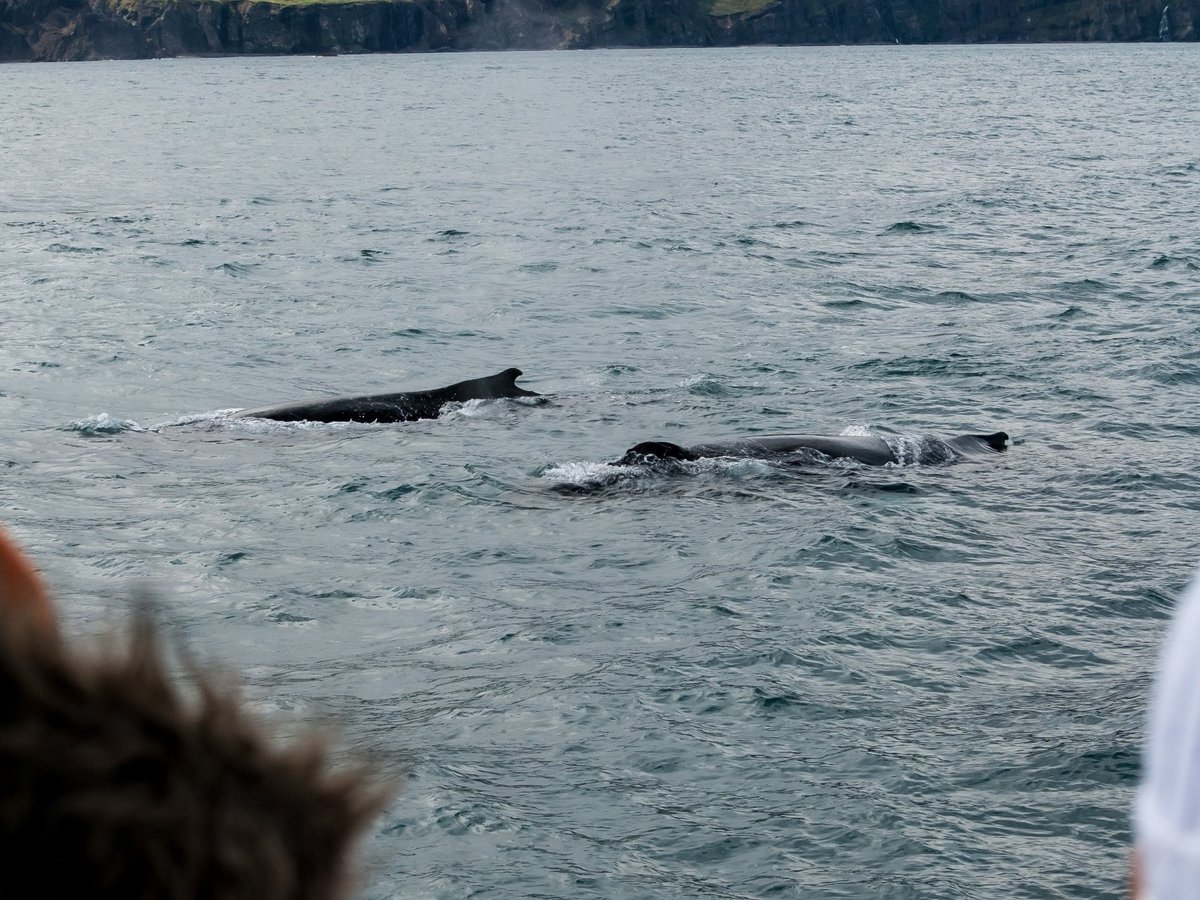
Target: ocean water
729	679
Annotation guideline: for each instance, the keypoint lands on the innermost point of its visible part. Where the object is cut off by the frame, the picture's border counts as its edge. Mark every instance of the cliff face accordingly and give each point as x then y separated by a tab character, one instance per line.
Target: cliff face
961	21
131	29
134	29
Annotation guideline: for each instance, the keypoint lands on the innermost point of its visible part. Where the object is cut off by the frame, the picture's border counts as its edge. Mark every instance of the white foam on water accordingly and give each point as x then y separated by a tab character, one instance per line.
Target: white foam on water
195	418
857	431
224	418
583	474
907	449
103	423
471	409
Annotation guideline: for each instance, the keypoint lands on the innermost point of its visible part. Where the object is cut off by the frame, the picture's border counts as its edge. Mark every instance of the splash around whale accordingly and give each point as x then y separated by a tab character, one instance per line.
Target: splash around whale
406	406
868	449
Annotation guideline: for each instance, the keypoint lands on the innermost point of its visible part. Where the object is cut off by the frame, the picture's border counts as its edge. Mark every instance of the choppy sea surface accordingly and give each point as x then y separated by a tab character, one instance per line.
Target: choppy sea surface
727	679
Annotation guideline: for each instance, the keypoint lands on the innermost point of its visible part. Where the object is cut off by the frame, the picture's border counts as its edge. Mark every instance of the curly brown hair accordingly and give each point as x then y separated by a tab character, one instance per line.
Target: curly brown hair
119	780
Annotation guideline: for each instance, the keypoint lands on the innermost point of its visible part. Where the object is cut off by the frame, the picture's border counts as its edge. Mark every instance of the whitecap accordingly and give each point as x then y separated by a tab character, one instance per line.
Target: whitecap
585	474
471	409
857	431
195	418
104	424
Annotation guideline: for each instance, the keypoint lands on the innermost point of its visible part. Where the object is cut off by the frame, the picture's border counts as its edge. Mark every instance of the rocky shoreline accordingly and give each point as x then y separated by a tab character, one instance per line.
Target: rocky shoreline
43	30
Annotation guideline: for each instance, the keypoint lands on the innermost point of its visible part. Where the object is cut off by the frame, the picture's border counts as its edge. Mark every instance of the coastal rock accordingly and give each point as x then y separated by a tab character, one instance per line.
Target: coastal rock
132	29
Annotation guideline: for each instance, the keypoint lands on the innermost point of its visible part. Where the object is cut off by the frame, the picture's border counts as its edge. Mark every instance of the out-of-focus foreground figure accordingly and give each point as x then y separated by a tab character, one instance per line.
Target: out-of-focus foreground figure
119	779
1167	814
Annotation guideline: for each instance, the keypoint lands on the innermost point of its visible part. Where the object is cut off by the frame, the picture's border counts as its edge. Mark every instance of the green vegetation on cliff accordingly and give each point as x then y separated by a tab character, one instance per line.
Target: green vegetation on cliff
739	7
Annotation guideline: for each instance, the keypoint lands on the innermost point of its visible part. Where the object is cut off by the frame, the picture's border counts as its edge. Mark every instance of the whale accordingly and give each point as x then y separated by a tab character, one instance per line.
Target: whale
406	406
798	448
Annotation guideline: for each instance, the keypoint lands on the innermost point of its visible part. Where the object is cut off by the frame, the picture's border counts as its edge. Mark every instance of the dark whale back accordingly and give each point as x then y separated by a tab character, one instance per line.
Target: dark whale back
400	407
867	449
655	450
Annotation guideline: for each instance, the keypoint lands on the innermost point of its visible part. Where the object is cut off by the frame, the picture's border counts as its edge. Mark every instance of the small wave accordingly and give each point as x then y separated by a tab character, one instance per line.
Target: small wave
911	227
1085	287
104	424
617	369
1166	261
366	256
1041	649
1173	373
955	297
395	493
215	415
859	487
851	303
283	617
955	364
1071	312
747	241
234	269
776	702
704	385
67	248
586	477
1182	171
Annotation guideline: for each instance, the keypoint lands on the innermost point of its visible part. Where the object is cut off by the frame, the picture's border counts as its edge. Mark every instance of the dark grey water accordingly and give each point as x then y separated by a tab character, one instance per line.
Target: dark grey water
734	680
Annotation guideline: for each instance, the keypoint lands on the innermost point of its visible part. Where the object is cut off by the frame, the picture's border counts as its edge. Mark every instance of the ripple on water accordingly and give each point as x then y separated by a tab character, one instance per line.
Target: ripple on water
728	678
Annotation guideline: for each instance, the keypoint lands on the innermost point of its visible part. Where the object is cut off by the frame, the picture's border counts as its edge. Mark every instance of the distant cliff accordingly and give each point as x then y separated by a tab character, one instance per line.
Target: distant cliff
131	29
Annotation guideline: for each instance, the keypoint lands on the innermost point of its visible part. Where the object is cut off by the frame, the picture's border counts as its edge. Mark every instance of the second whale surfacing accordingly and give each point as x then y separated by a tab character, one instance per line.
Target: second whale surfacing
867	449
407	406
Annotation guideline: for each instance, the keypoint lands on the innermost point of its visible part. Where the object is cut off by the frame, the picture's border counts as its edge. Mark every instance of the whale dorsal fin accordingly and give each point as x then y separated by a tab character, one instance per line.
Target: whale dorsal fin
502	384
506	381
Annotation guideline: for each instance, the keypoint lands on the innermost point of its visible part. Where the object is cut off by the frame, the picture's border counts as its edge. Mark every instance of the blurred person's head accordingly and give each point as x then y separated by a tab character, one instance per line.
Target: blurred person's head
119	779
